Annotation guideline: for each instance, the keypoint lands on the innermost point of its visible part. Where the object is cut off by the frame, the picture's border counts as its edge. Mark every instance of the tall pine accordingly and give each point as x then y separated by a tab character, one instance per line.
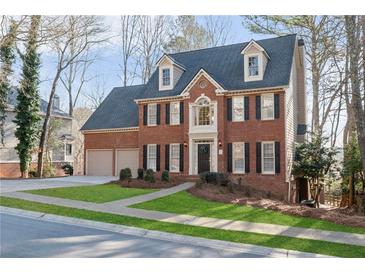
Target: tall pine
27	109
7	58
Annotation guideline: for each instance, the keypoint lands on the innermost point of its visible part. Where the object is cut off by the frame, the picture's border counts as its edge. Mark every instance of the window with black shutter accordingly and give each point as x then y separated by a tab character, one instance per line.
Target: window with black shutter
144	157
158	157
276	106
247	108
258	157
277	157
258	107
167	120
158	114
181	157
145	115
247	157
167	157
181	112
229	109
229	157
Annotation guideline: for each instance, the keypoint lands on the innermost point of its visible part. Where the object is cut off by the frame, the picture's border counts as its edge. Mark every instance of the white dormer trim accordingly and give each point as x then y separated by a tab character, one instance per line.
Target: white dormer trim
166	62
160	83
262	57
170	60
256	45
202	72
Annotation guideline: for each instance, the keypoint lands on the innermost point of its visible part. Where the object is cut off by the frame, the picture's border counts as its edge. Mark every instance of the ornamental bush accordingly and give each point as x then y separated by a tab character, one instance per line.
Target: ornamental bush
165	176
150	176
125	174
140	173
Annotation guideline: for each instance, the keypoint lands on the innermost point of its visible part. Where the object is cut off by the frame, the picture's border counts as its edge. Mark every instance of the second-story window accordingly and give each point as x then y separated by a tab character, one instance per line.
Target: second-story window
166	77
203	113
175	113
253	66
267	106
152	114
237	107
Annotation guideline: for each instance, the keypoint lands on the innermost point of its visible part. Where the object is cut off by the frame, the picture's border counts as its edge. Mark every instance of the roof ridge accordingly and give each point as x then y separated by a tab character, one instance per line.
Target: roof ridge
193	50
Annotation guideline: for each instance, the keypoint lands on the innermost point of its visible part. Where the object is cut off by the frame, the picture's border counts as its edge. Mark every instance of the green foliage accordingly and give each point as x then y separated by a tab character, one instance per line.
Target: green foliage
68	169
49	170
27	116
140	173
125	174
352	158
7	58
165	176
150	176
217	178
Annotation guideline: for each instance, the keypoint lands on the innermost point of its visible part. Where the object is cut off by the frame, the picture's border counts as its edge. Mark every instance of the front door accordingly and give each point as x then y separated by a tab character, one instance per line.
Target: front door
203	157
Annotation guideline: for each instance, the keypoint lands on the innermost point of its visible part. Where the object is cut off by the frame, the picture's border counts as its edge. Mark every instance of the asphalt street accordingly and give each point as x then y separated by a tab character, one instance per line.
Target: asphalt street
22	237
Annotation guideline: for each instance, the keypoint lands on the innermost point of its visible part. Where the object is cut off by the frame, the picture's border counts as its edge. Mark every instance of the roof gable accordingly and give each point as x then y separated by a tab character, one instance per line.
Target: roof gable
253	44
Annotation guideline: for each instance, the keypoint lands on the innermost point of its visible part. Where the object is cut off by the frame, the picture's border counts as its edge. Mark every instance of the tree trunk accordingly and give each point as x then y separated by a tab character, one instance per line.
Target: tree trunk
45	128
315	86
351	191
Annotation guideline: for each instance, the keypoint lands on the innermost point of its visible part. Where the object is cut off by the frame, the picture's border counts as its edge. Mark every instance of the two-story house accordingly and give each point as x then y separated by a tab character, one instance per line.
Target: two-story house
237	108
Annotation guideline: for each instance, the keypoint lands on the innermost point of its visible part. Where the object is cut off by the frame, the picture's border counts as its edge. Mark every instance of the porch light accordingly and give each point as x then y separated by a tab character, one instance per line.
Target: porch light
220	143
185	144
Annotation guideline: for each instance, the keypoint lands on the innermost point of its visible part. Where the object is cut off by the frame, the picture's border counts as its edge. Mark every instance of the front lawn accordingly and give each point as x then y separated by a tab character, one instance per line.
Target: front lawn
95	193
313	246
185	203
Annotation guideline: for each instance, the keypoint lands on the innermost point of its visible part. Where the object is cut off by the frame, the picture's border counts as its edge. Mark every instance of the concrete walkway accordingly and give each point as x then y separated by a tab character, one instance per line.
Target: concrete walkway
270	229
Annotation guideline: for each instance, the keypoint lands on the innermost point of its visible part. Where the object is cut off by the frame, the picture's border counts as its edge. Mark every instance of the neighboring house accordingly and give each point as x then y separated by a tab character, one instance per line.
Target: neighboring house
238	108
9	160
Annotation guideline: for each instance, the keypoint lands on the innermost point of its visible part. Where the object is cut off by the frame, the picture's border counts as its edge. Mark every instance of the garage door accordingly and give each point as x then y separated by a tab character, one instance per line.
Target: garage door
99	163
127	158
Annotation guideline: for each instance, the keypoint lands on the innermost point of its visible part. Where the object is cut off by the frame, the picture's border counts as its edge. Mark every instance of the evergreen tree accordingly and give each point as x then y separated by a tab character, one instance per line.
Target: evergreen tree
7	58
27	109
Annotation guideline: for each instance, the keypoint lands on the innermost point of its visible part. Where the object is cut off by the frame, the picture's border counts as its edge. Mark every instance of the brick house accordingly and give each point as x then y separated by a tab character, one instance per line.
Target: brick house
238	108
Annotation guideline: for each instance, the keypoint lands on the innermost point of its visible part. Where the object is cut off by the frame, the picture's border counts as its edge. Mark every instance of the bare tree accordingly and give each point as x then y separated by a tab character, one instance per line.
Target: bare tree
78	33
217	29
98	93
129	40
153	34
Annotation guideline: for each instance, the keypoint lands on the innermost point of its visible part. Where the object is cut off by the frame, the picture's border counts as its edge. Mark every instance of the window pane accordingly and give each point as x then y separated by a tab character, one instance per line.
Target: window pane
204	116
267	106
151	157
238	157
253	65
152	114
174	157
268	157
68	149
166	77
175	113
238	109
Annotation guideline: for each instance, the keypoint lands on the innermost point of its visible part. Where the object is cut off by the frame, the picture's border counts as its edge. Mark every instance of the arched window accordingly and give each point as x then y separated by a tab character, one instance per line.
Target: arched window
203	112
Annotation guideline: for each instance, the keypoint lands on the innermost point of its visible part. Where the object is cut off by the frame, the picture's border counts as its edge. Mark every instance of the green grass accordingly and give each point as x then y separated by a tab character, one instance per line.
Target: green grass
95	194
185	203
320	247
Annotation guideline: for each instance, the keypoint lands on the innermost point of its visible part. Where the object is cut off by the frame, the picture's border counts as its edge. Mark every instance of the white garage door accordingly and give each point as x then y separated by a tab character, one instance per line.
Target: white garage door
127	158
99	163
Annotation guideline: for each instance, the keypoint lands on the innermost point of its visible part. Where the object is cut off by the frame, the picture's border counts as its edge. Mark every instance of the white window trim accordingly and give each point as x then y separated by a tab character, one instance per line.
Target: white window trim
258	77
161	86
148	115
233	157
234	119
148	154
262	105
262	158
178	114
170	158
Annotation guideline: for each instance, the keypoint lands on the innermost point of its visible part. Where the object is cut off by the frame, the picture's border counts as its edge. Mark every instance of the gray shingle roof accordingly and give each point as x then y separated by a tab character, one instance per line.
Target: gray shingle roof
225	64
118	110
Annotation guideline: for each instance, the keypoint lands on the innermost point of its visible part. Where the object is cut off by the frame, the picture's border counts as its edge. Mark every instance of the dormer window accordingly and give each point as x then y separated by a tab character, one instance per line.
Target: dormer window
253	65
166	77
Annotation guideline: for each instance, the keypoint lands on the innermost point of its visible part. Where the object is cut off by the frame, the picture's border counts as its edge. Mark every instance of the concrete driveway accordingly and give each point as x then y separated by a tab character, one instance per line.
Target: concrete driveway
28	184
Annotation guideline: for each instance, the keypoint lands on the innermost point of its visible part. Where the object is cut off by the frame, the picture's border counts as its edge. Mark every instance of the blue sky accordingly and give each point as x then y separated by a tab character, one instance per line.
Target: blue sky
107	66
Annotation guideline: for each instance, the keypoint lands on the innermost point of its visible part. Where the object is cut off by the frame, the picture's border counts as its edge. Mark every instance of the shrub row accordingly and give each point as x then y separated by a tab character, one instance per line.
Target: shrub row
148	175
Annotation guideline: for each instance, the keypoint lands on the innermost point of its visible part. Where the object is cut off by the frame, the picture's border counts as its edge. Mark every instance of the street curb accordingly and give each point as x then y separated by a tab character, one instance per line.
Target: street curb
140	232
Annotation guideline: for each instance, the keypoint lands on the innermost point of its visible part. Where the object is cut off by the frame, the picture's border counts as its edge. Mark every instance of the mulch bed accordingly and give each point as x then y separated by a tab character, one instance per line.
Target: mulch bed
222	194
136	183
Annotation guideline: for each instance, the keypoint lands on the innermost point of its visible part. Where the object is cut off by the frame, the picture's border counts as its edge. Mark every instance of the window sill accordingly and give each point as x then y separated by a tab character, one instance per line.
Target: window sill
152	125
238	173
268	173
267	119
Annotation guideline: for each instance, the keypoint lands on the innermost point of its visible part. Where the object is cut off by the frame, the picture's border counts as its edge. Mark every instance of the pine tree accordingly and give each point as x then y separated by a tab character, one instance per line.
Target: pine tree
7	58
27	116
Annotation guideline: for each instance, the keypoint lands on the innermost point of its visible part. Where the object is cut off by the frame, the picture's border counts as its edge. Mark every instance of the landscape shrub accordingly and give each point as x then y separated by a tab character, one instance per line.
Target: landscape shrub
68	169
140	173
49	170
165	176
217	178
150	176
125	174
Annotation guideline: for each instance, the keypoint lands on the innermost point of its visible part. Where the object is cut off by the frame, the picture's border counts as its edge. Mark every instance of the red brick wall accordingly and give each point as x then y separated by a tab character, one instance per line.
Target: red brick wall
12	170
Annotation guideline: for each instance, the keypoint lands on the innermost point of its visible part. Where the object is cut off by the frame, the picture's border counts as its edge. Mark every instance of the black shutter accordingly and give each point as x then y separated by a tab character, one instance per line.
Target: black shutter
276	106
158	157
181	157
167	157
158	110
229	157
247	157
167	114
181	112
258	107
247	108
229	109
144	157
258	157
145	115
277	157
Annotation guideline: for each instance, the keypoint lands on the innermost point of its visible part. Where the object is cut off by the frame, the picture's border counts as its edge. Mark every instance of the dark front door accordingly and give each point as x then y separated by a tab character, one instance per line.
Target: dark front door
203	157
